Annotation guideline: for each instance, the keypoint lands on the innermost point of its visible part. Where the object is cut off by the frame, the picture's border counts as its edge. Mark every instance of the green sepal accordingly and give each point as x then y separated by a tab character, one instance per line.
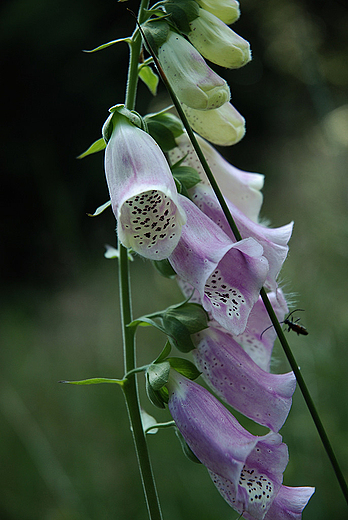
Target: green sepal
158	374
108	44
184	367
159	397
101	208
119	114
150	78
164	268
186	448
156	33
178	322
187	176
182	13
94	381
154	397
97	146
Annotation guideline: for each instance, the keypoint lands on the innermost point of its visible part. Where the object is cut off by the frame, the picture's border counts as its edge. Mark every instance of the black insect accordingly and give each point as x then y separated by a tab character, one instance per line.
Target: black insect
292	325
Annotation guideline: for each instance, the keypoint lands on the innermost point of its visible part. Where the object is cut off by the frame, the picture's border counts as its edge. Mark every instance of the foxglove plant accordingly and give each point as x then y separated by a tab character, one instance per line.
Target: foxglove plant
223	258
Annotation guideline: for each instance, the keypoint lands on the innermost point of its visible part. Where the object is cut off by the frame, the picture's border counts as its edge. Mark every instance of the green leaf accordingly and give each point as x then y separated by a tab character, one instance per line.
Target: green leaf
164	128
97	146
164	268
158	374
182	13
148	76
100	210
165	352
191	315
145	321
178	334
94	381
184	367
162	135
108	44
186	448
156	33
188	176
168	120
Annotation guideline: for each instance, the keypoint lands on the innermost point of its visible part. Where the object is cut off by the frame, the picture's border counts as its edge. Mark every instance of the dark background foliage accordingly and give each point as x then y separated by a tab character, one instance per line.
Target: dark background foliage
66	452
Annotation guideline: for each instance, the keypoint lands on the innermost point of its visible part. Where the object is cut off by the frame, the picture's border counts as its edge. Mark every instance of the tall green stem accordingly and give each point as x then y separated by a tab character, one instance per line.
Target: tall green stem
130	389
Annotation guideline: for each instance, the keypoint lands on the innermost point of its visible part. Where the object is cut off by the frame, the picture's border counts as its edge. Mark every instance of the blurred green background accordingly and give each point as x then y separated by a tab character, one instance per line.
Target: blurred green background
66	452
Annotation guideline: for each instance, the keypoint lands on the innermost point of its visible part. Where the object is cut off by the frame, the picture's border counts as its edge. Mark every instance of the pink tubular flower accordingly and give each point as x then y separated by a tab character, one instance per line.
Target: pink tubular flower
227	275
143	193
248	470
258	347
273	240
287	504
241	188
232	374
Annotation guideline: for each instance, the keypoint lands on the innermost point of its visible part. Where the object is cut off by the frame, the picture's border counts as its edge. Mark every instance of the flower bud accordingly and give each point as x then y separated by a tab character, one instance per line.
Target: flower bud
226	10
194	83
143	193
217	42
223	126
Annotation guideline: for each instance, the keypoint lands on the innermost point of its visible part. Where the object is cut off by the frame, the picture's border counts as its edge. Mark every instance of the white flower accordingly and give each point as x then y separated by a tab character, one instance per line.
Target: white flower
217	42
194	83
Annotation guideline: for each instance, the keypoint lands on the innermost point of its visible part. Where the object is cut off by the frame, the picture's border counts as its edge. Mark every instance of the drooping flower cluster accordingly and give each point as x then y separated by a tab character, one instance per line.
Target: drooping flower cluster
223	275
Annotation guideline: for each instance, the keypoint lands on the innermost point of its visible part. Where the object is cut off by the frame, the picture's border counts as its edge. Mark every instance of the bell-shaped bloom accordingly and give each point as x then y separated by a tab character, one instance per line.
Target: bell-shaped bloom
223	126
287	504
226	448
143	193
193	81
217	42
226	10
228	275
241	188
273	240
238	381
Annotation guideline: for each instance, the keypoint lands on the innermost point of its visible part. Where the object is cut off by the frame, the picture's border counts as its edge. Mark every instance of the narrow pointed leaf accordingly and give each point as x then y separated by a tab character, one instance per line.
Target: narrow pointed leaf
94	381
97	146
148	76
108	44
100	210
